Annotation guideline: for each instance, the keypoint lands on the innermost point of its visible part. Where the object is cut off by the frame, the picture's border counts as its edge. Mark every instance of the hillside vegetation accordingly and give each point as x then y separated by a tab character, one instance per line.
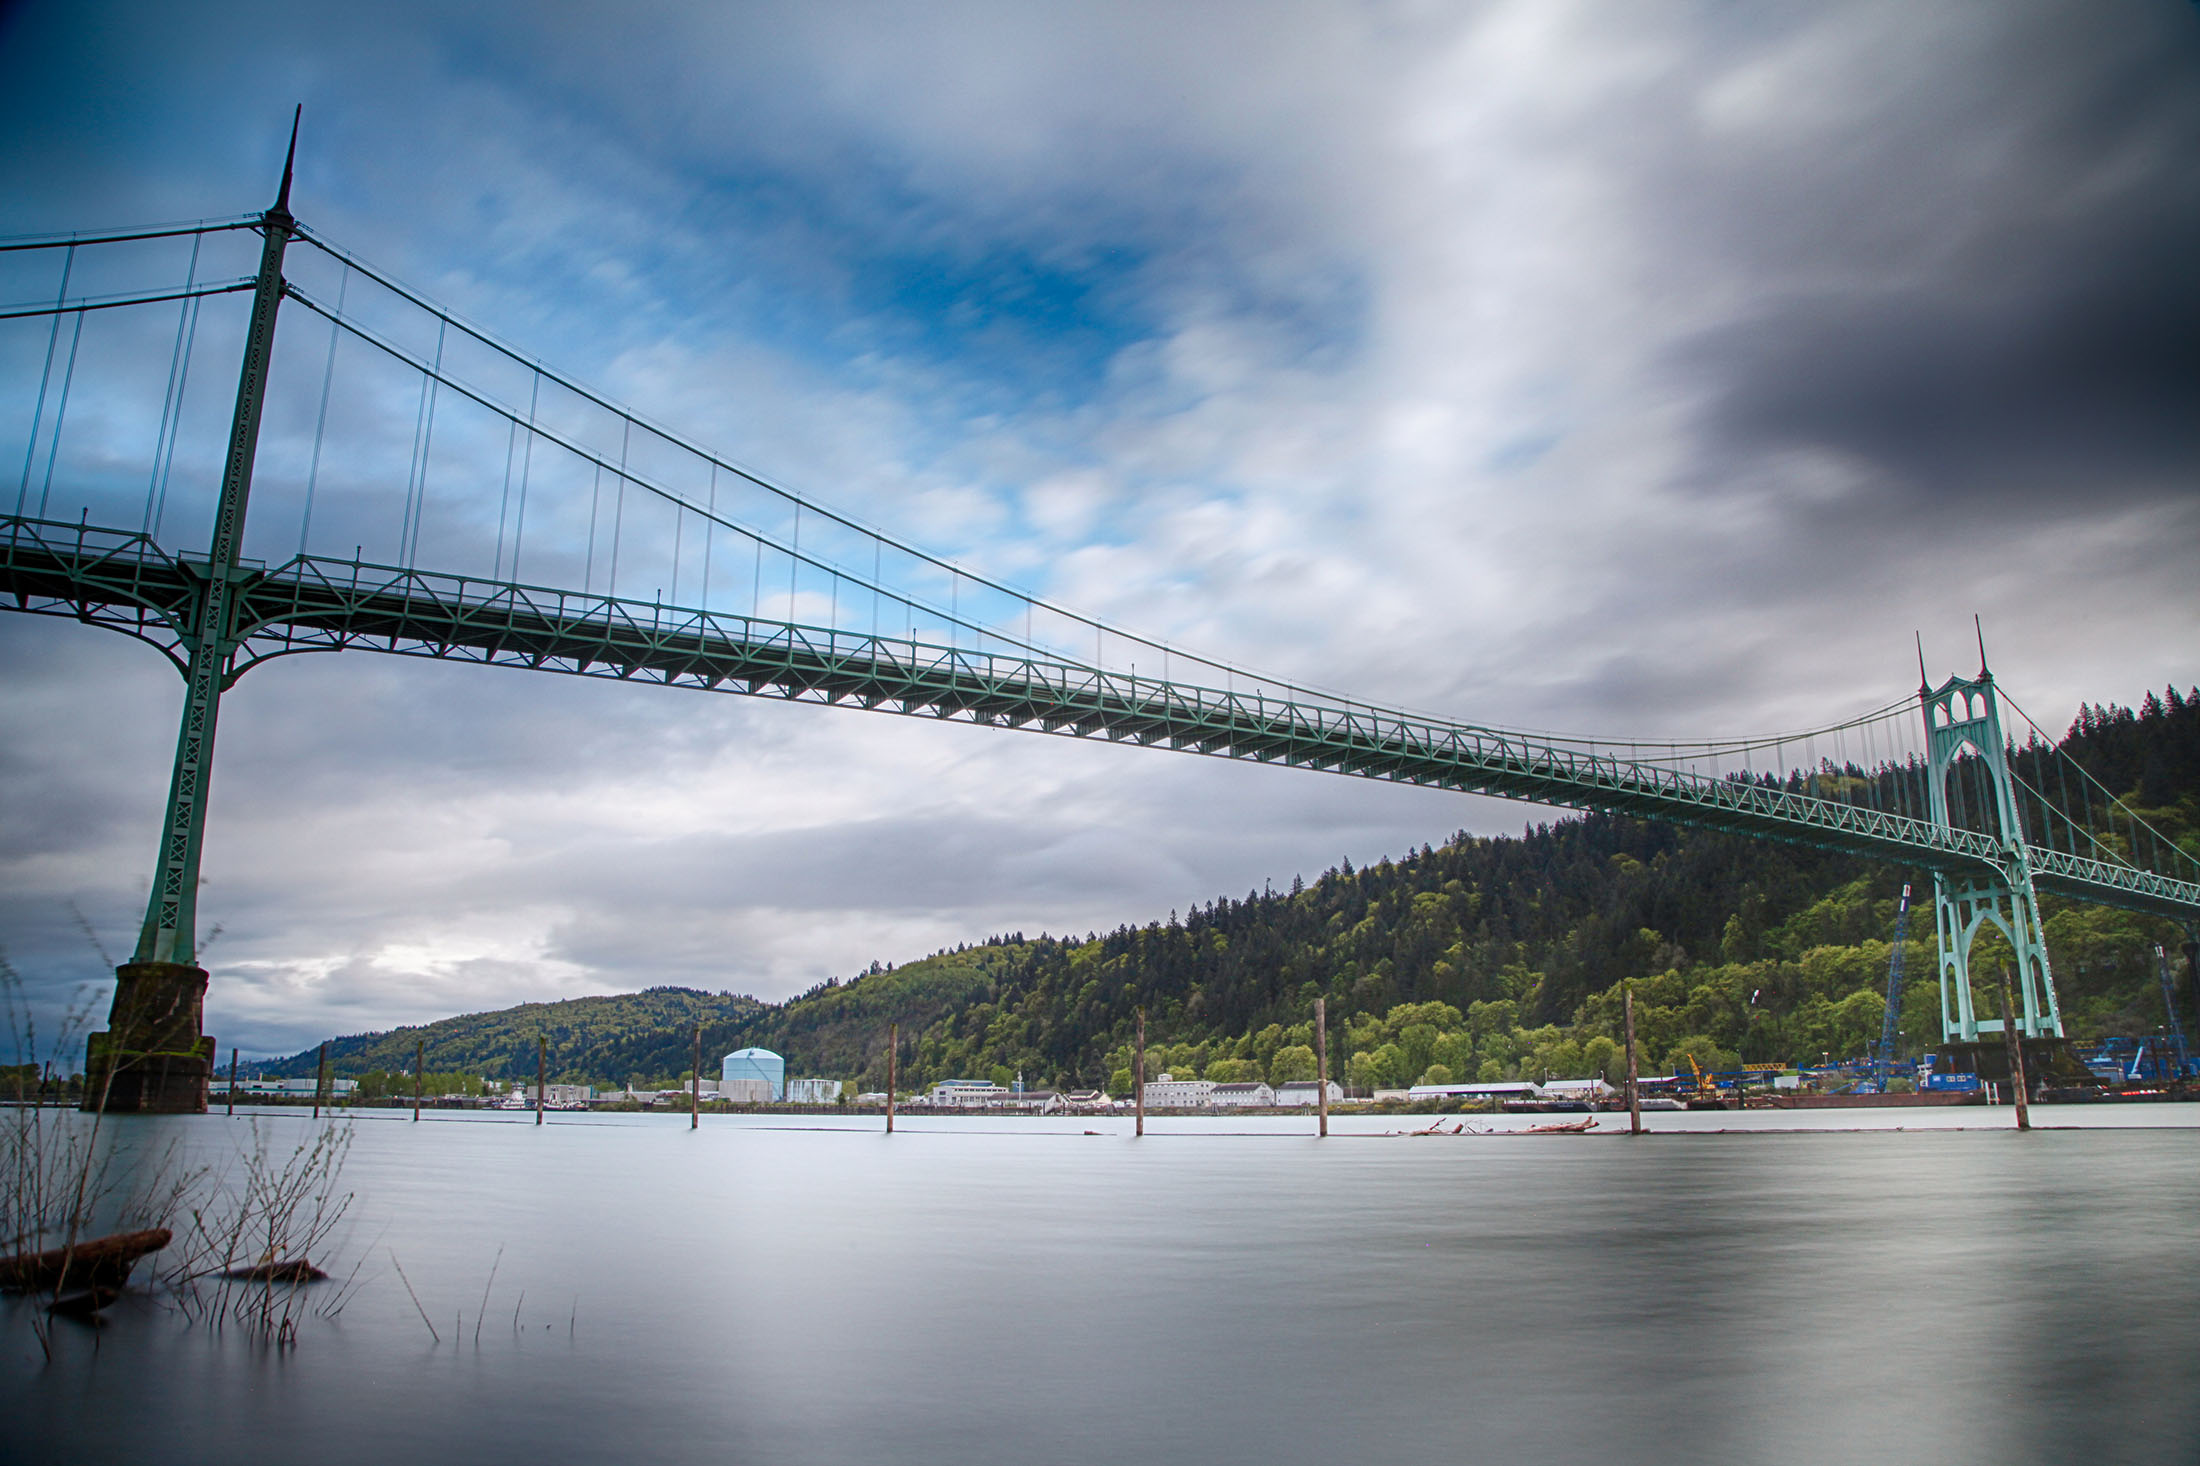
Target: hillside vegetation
1487	957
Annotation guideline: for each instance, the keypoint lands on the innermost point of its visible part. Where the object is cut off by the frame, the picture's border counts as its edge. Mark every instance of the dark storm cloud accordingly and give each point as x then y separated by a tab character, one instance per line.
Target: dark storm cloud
2075	387
2046	358
1388	347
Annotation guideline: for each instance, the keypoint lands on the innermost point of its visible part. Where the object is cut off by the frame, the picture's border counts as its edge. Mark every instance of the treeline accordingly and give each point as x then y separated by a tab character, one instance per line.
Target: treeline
1487	957
597	1040
2152	751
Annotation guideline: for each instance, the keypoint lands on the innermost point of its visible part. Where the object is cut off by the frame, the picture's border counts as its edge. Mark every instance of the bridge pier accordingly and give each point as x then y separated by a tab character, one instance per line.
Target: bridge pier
152	1059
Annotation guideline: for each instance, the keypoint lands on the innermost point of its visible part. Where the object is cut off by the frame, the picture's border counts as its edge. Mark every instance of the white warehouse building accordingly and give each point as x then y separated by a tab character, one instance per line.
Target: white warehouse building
1307	1092
1170	1093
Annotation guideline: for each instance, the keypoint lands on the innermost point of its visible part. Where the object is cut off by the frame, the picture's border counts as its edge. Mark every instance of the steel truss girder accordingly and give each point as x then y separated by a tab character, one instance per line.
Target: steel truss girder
315	603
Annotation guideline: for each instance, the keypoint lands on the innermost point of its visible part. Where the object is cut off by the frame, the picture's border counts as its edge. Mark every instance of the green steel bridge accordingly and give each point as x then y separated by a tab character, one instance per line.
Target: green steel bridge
1959	808
121	580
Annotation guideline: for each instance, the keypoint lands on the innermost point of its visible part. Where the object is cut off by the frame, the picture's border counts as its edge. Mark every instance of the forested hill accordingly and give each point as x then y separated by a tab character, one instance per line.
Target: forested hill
619	1034
1485	957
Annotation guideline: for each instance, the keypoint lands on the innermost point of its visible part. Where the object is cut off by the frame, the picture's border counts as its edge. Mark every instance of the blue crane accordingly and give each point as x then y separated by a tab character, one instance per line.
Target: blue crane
1879	1064
2179	1060
1889	1030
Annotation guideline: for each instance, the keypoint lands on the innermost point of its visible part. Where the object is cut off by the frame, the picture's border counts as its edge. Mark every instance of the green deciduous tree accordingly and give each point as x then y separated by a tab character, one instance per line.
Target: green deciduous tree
1292	1062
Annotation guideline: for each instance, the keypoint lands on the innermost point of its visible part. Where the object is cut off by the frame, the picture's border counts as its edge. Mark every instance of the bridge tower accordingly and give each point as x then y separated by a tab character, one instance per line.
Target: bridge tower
1963	716
153	1057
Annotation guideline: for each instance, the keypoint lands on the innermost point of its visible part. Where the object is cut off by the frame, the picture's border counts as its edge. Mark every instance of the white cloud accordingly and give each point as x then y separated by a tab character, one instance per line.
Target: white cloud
1365	346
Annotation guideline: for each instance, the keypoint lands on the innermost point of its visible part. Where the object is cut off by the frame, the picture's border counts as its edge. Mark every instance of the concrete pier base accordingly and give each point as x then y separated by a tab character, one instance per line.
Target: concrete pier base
2049	1063
152	1059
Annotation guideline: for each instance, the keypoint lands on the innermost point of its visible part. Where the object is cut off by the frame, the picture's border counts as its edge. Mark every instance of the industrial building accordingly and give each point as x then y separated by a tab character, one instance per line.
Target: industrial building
1171	1093
285	1088
754	1064
966	1093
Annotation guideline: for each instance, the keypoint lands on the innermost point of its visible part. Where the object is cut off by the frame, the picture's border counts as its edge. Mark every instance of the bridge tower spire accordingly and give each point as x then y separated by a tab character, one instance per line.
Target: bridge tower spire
153	1056
1963	718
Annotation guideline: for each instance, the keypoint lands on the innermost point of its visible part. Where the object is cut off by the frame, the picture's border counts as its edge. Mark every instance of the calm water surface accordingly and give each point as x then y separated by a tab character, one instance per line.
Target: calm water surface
1817	1286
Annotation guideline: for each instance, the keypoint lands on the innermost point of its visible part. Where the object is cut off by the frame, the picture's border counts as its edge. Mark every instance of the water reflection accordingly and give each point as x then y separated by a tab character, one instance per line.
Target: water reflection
1013	1291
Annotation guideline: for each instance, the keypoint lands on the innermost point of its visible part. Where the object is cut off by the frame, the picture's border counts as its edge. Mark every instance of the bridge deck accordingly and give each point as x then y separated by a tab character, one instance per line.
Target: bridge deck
119	579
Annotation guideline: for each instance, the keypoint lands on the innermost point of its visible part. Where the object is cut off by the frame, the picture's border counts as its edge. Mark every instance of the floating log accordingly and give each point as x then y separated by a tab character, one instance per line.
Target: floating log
1579	1127
103	1262
299	1271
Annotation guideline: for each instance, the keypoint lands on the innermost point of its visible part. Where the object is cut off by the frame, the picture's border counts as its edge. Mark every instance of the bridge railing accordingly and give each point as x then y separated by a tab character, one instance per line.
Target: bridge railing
319	603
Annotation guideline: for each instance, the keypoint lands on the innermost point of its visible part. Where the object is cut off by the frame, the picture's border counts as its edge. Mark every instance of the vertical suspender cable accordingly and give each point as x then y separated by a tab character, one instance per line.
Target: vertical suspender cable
679	540
427	444
1866	767
618	507
526	466
2086	793
504	496
794	558
412	468
38	413
183	385
1899	776
60	414
320	420
1875	770
595	500
709	523
2062	779
170	404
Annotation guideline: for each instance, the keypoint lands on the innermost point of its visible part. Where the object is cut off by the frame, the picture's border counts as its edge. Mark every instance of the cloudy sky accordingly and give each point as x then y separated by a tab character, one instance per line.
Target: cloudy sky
1636	368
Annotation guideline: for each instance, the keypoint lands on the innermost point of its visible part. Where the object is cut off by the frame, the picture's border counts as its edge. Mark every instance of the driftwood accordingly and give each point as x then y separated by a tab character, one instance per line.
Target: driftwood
103	1262
84	1304
299	1271
1578	1127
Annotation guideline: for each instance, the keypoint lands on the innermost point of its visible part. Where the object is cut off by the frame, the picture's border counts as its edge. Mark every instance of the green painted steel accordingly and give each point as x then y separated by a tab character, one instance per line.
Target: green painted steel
1963	720
208	637
314	603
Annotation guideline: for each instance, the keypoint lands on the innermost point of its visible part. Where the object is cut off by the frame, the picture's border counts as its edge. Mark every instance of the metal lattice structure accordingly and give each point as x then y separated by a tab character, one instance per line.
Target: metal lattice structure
219	614
120	579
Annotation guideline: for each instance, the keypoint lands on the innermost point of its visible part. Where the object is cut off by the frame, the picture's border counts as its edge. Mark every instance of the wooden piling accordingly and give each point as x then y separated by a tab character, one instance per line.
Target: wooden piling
1321	1060
232	1079
320	1081
2017	1085
1634	1075
420	1050
893	1053
542	1076
1138	1074
695	1083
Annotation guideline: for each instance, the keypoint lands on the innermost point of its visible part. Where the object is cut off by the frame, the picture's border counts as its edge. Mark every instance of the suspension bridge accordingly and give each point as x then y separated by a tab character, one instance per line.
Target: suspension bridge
505	505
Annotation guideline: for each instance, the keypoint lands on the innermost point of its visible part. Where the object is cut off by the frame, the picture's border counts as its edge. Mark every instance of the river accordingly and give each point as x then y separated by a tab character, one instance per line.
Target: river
1902	1285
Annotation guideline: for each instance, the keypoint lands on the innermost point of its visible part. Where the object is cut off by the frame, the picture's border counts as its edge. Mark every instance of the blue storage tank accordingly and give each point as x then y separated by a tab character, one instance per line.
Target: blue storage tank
757	1064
